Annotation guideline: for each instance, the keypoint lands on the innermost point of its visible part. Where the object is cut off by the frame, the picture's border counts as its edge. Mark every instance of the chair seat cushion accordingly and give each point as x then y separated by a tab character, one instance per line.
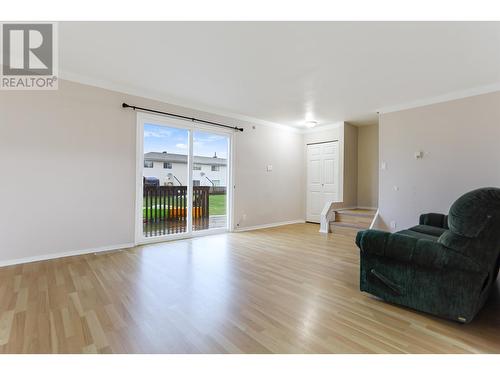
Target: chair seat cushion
418	235
429	230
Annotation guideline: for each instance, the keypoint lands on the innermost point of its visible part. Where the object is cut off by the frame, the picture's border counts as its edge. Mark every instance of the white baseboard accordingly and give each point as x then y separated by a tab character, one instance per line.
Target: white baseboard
11	262
271	225
38	258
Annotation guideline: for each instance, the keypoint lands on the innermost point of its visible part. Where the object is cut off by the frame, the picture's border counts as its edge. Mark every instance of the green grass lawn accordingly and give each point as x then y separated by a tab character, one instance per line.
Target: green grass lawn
216	206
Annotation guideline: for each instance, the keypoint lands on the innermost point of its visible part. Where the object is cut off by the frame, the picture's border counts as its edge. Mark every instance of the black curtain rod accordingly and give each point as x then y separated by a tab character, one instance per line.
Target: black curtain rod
125	105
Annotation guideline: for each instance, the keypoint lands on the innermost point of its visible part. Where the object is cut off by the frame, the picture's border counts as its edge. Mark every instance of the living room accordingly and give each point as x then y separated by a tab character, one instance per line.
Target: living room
249	187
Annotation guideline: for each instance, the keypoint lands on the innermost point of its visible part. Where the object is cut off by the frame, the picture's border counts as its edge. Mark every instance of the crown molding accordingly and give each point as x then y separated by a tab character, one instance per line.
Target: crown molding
321	128
442	98
147	94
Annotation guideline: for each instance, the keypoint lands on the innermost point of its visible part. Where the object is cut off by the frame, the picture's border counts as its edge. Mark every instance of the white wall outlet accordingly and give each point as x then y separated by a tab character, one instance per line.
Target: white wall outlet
396	188
383	166
393	225
269	168
244	217
419	155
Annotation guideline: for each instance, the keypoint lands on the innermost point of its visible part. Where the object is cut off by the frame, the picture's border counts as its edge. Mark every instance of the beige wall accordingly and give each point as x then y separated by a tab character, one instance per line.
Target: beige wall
350	166
368	166
68	170
268	197
460	142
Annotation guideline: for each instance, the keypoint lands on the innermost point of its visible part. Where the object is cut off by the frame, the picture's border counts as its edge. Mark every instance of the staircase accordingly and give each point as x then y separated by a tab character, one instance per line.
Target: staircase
349	222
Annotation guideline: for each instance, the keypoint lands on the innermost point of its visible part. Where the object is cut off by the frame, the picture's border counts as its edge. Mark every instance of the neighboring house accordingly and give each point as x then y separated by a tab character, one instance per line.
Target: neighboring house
207	171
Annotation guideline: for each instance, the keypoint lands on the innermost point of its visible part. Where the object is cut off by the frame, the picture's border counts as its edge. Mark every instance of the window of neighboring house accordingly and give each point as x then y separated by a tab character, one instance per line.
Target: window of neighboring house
148	163
216	182
167	165
215	168
196	182
196	167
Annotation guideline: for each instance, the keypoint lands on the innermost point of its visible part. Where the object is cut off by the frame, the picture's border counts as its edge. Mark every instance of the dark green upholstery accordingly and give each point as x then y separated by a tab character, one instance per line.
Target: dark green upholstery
434	220
428	229
444	266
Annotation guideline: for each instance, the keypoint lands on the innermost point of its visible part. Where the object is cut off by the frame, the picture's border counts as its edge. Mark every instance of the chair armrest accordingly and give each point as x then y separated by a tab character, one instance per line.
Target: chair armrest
372	241
422	252
434	220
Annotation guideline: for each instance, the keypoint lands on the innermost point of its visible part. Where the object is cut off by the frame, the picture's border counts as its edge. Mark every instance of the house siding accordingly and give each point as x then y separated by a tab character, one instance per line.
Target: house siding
179	170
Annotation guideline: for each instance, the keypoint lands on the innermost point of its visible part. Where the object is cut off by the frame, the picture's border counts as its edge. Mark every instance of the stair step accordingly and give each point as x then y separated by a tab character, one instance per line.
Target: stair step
365	220
345	229
357	212
351	221
348	225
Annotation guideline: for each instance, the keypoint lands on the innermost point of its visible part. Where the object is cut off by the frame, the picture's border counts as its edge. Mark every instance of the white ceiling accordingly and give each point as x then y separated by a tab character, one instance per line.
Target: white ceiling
285	72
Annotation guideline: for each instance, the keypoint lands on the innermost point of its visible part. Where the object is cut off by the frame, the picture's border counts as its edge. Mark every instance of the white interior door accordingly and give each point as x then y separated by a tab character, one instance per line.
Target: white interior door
322	178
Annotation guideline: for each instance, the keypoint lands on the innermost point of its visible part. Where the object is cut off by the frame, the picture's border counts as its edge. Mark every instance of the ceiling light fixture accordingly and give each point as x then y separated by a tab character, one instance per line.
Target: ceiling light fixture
311	124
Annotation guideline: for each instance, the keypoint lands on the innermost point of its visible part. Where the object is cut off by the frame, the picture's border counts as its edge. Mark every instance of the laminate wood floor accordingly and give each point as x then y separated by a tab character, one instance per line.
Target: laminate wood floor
281	290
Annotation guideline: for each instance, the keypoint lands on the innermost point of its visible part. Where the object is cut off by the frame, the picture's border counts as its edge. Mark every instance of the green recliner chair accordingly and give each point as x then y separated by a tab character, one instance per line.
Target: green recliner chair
444	266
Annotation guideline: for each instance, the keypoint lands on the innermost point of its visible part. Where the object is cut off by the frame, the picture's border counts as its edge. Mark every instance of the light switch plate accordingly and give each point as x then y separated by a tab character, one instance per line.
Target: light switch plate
269	168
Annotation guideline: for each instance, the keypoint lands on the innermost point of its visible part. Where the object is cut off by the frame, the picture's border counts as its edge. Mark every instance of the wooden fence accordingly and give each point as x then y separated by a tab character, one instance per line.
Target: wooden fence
169	203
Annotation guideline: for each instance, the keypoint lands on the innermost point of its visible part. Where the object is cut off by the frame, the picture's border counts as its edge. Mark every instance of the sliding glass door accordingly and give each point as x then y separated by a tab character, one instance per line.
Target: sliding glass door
183	174
164	180
210	178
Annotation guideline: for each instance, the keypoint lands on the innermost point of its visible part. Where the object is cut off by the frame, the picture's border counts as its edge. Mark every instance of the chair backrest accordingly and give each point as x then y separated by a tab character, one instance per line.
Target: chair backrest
474	222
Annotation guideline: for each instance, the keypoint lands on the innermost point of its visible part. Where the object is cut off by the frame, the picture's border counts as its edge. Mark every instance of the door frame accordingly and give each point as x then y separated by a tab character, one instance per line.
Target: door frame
143	118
